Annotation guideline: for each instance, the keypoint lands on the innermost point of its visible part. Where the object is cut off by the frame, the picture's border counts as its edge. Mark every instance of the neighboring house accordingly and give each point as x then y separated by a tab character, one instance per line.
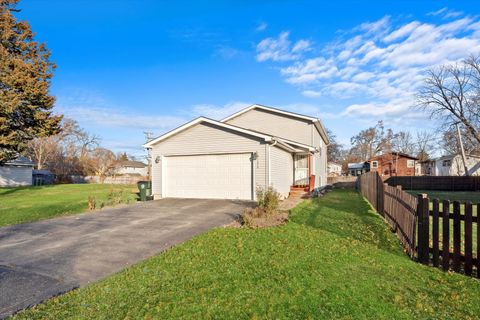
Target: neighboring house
357	169
334	169
258	146
451	165
17	172
427	167
129	167
393	164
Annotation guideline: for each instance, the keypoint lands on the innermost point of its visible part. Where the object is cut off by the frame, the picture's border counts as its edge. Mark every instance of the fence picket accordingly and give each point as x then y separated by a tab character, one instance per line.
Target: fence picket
409	218
423	228
446	234
435	232
478	240
456	236
468	238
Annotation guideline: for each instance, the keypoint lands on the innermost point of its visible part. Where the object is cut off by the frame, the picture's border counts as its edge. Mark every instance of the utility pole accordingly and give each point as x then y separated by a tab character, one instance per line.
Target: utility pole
461	149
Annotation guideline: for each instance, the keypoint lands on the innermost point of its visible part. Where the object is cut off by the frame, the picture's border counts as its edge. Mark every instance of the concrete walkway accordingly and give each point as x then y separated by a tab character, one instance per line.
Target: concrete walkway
43	259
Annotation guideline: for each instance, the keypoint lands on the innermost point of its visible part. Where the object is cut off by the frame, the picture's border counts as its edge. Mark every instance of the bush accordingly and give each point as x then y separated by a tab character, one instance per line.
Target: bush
114	197
266	213
268	199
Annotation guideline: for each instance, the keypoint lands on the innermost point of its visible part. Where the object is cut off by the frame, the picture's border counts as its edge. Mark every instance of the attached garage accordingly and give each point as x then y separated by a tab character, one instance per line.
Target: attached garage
208	159
213	176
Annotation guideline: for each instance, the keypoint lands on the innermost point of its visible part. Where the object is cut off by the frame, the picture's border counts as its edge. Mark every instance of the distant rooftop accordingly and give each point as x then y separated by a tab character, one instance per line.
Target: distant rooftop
20	161
132	164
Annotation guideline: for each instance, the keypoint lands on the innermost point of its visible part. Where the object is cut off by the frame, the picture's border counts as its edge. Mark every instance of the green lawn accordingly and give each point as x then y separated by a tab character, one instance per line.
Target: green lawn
336	258
26	204
462	196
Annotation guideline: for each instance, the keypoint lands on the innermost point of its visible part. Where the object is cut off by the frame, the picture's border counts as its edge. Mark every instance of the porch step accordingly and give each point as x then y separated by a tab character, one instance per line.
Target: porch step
299	194
299	189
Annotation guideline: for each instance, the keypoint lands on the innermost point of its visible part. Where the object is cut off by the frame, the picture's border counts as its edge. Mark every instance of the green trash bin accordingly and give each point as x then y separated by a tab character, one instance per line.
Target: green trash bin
145	188
149	190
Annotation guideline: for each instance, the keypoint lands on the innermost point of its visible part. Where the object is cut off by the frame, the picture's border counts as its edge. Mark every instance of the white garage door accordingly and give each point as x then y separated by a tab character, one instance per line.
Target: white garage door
221	176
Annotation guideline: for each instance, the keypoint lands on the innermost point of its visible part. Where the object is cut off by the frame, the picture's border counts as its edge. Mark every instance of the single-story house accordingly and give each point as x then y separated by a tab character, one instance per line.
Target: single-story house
334	169
451	165
131	167
258	146
393	164
16	173
357	168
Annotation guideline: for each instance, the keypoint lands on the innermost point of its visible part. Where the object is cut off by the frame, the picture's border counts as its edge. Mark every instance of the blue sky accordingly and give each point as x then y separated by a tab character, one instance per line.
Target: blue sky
125	67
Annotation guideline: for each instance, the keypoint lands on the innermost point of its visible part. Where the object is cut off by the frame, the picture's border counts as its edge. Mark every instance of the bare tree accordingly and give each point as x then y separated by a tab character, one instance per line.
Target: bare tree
66	153
43	151
334	149
424	145
372	141
403	142
102	163
451	93
451	145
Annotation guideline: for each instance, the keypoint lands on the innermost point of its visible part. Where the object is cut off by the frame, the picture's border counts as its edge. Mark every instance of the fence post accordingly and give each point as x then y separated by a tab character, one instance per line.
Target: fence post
423	228
380	195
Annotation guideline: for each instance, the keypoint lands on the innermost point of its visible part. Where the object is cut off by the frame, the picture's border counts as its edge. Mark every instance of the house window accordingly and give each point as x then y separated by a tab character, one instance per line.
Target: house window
447	163
374	164
410	163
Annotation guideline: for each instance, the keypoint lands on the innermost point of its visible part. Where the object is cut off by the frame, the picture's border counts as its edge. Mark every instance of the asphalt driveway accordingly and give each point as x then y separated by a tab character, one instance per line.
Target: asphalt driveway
43	259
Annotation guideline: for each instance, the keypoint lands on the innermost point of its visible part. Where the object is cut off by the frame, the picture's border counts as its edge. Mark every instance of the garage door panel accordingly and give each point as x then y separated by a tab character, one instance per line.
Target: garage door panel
225	176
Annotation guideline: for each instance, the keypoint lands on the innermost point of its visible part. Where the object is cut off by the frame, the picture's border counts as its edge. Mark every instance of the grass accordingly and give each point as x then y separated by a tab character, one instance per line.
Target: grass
27	204
462	196
336	258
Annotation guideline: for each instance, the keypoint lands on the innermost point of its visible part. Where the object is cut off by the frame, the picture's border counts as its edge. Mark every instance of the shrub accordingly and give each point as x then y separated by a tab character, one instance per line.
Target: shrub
266	213
114	197
268	199
91	203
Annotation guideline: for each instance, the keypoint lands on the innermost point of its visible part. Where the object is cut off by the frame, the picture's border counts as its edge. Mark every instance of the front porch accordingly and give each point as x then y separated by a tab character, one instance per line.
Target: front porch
303	174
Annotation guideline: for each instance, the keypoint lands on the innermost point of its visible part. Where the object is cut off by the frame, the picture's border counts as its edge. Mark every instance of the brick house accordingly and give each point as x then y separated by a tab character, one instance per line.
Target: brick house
393	164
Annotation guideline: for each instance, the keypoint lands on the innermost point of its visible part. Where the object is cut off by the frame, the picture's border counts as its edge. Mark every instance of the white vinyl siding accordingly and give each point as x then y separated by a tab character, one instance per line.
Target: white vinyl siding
320	158
217	176
282	126
15	176
205	138
281	170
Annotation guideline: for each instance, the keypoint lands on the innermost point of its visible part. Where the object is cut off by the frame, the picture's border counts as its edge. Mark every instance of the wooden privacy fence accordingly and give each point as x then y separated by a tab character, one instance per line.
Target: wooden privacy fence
430	231
441	183
371	186
400	213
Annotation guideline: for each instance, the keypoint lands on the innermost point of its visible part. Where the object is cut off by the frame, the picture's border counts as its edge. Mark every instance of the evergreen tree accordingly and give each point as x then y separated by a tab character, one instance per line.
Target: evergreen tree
25	75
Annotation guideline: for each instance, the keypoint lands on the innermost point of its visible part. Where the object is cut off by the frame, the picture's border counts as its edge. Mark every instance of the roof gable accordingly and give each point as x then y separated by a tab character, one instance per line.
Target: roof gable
315	121
206	120
287	144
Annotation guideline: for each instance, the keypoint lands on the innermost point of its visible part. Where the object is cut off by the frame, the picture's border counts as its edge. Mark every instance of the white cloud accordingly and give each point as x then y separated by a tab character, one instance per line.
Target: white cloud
226	52
280	48
301	45
311	93
262	26
94	109
114	118
381	64
445	13
219	112
438	12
